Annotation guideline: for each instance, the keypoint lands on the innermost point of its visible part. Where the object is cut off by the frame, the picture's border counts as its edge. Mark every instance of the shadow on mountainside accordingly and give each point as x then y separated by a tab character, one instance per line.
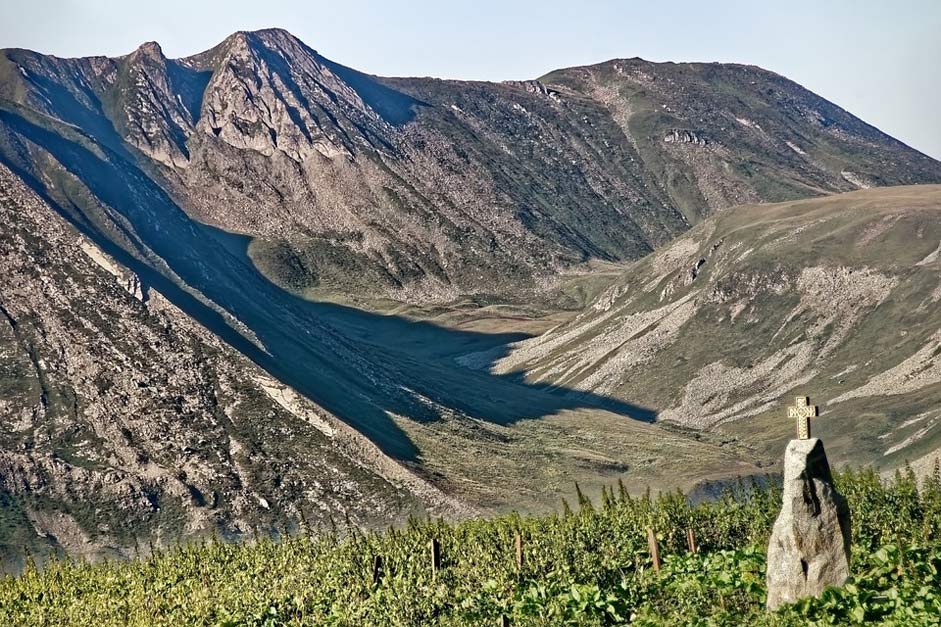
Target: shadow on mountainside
360	366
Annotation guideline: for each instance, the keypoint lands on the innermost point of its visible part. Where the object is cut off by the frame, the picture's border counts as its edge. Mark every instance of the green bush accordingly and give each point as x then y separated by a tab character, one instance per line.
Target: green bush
587	567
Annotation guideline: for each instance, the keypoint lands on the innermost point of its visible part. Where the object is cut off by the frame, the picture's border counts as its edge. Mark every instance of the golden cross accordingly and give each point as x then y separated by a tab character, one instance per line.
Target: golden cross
803	411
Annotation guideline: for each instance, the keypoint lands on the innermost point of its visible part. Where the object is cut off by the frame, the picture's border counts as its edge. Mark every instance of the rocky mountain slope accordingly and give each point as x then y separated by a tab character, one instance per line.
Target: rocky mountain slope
423	189
835	297
126	422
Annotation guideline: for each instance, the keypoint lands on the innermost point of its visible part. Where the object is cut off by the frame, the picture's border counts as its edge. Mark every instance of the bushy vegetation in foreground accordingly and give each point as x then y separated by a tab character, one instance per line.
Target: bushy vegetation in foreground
585	567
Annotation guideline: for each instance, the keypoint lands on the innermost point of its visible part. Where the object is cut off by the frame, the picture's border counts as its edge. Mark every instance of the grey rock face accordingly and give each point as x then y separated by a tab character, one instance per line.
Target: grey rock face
810	543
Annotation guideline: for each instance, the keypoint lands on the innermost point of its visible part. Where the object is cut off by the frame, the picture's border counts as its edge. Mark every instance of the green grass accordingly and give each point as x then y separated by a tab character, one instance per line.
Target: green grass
584	567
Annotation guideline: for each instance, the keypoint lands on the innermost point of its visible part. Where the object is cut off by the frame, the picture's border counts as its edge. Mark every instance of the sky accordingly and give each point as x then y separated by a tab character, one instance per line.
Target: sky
880	60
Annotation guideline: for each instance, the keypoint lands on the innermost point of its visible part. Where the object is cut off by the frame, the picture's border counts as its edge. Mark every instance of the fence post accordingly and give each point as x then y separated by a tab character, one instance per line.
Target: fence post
519	550
654	549
435	557
377	570
691	540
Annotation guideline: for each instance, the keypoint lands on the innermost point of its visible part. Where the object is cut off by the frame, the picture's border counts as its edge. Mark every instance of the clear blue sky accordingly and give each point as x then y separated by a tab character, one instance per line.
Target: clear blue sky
881	60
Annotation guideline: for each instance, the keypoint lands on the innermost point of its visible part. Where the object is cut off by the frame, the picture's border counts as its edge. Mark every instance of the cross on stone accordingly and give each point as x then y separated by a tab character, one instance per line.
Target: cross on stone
803	411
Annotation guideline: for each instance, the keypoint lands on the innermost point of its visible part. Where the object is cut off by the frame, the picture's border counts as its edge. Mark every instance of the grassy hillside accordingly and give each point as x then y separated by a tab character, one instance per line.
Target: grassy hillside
835	297
587	567
715	135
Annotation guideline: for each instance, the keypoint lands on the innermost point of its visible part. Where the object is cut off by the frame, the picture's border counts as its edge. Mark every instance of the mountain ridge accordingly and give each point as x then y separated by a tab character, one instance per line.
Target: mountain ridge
363	214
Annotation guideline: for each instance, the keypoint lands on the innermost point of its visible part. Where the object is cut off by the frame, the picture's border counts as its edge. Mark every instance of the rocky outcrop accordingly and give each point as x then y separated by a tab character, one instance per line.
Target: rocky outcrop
810	542
677	136
257	100
156	93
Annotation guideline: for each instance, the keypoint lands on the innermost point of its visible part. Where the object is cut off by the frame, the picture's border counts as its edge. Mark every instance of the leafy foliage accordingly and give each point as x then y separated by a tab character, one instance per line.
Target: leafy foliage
589	567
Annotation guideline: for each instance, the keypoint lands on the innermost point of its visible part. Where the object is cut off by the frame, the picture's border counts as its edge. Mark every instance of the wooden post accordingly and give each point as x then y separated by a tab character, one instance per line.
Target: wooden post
377	570
691	540
654	549
435	557
519	550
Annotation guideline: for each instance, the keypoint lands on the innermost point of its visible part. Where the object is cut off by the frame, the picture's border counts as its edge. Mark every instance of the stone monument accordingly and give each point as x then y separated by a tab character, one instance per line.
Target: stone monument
810	542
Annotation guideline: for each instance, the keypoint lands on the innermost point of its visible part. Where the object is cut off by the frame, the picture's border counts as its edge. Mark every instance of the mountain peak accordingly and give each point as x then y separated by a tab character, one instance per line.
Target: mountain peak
248	43
150	49
273	33
269	38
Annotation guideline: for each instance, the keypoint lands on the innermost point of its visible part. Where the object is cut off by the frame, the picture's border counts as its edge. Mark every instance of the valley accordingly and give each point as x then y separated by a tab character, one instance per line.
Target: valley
253	287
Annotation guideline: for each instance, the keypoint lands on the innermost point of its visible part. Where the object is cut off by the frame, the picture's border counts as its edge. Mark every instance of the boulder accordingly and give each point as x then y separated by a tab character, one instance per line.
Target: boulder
810	542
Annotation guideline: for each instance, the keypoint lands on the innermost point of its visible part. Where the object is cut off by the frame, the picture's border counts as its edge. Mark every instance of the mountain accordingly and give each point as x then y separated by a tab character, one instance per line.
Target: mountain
181	235
423	189
833	297
125	420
